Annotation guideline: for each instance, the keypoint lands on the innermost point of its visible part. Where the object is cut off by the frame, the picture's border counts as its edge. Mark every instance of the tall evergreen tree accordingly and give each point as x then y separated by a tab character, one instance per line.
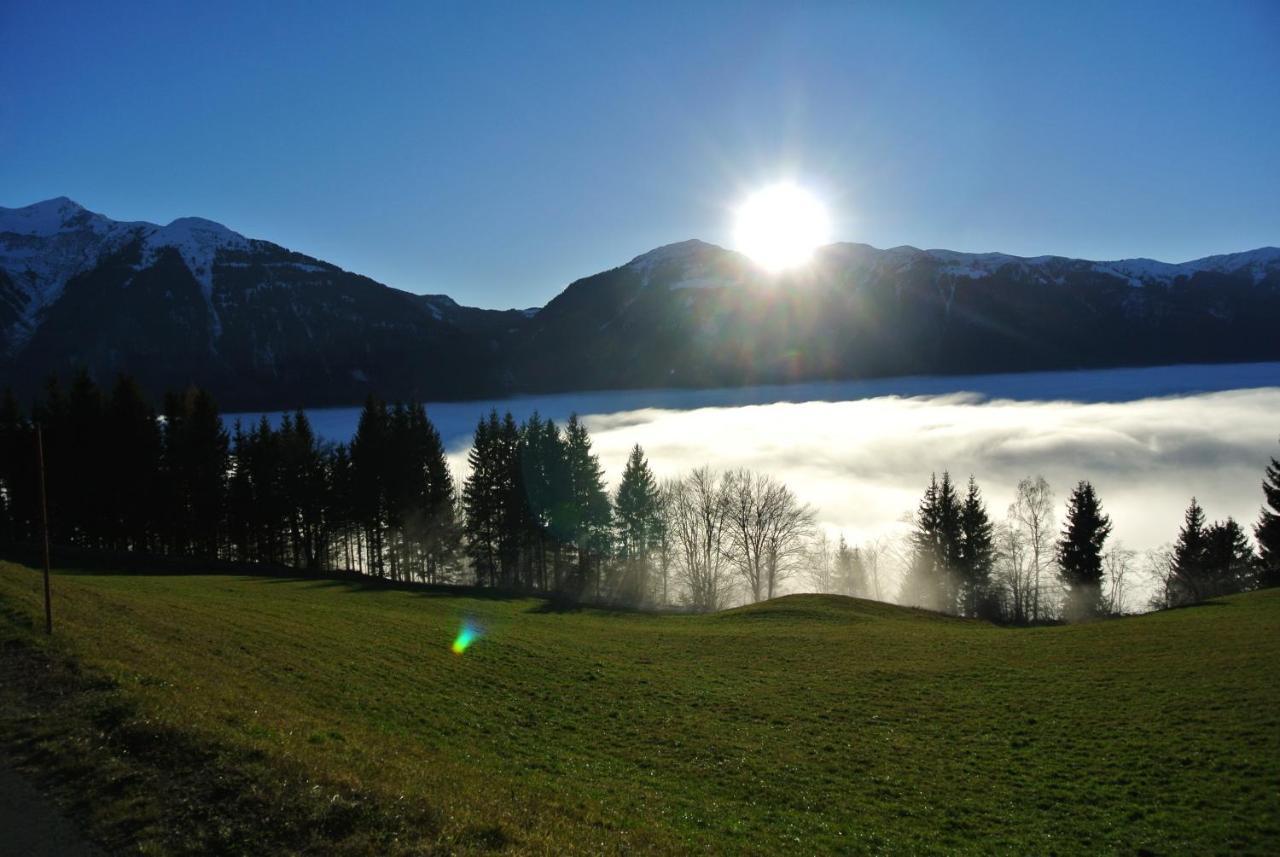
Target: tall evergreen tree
368	470
590	503
1187	581
977	552
482	499
1229	561
1267	530
439	534
133	443
196	459
1080	551
851	572
638	516
17	470
936	547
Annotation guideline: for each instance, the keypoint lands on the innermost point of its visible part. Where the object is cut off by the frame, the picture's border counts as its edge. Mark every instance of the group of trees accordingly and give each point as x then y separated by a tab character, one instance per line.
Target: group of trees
952	551
1021	571
538	514
122	477
1215	559
534	513
960	563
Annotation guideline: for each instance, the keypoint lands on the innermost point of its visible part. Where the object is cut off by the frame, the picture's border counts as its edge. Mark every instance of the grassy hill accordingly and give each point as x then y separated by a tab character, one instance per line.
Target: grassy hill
255	715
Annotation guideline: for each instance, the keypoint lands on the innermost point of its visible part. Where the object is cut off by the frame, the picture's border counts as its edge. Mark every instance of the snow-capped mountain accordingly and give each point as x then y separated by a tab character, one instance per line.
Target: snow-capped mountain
262	326
693	314
195	302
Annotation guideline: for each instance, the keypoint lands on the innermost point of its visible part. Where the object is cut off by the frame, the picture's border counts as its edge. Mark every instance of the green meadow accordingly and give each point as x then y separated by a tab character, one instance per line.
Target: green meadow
188	714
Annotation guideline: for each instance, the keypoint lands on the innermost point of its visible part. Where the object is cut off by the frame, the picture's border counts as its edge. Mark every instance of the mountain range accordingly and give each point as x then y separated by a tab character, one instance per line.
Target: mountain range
264	327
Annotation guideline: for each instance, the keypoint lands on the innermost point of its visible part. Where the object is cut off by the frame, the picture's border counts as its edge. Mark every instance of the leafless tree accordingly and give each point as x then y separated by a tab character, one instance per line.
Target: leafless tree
768	530
1158	565
1117	566
1030	532
820	563
665	543
699	511
874	554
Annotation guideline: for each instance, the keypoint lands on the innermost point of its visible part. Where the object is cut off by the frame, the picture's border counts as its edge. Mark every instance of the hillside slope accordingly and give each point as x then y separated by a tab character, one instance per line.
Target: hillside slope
805	725
194	302
264	327
697	315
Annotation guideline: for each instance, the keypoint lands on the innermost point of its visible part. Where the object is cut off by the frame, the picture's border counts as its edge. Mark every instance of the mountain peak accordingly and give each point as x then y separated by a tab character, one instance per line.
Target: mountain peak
44	218
672	252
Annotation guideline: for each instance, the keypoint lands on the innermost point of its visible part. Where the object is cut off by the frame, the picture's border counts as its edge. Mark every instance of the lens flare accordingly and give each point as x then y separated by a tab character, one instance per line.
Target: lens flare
466	636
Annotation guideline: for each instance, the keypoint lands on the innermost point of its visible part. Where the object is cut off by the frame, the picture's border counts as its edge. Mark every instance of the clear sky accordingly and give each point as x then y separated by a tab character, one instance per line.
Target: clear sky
496	152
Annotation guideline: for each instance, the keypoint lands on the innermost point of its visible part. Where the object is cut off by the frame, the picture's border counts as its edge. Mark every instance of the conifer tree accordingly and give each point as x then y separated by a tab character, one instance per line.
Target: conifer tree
936	549
195	465
637	520
132	439
16	470
482	499
590	504
1229	562
851	572
1267	530
440	539
369	466
1187	581
1080	551
977	551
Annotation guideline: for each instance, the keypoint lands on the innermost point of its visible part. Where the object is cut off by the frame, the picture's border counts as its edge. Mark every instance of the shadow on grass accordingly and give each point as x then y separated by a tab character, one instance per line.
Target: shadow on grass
73	561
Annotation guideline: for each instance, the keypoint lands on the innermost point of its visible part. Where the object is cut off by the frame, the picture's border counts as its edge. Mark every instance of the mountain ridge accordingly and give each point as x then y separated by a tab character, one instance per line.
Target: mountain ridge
193	301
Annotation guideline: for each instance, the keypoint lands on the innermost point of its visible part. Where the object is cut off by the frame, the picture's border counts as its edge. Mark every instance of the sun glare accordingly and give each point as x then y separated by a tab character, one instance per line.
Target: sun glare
780	226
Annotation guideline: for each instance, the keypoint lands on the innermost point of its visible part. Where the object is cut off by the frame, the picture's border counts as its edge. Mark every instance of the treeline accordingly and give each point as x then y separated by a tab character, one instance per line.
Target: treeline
123	477
1023	571
535	514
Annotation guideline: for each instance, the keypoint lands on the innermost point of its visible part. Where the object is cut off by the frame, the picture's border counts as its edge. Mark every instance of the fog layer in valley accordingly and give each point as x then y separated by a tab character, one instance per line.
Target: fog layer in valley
862	453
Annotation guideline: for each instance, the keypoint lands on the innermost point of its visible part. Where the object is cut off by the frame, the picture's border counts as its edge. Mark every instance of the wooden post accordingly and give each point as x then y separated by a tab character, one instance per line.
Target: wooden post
44	523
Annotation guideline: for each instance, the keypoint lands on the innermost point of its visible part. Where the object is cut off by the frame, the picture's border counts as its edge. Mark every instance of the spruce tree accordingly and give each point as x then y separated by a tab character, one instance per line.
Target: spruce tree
937	548
17	492
1267	530
637	519
1187	581
441	535
133	439
1229	561
369	466
977	551
851	572
1080	552
482	499
590	503
920	585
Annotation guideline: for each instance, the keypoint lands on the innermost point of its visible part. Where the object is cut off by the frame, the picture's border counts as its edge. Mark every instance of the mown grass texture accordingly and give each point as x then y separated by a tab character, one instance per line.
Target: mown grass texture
254	715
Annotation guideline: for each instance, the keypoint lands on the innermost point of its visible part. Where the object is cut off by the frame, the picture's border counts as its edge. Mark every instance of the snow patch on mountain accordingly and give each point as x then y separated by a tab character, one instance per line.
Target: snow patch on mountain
691	264
198	241
44	245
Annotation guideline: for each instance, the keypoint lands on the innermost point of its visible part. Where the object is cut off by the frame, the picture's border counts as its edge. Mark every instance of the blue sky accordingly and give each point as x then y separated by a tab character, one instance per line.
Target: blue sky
496	152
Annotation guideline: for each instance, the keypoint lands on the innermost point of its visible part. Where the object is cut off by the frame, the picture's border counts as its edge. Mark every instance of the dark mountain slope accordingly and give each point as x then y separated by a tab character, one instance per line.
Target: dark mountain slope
264	327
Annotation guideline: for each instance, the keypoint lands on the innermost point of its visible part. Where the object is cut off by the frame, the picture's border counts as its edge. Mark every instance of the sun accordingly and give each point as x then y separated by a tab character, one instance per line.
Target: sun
780	226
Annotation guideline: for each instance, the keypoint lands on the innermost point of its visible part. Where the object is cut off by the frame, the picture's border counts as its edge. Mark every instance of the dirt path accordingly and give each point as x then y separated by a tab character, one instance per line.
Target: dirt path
30	826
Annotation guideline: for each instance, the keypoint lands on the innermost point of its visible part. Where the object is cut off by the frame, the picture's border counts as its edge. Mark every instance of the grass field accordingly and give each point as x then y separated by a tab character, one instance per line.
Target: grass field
253	715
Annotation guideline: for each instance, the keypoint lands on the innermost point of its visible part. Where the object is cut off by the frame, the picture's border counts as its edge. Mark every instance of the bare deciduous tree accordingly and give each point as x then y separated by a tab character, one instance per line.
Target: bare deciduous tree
820	572
699	509
1117	565
874	554
768	530
1028	543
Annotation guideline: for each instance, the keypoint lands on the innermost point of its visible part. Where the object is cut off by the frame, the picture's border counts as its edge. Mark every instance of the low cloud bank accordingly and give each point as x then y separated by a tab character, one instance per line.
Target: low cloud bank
864	463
